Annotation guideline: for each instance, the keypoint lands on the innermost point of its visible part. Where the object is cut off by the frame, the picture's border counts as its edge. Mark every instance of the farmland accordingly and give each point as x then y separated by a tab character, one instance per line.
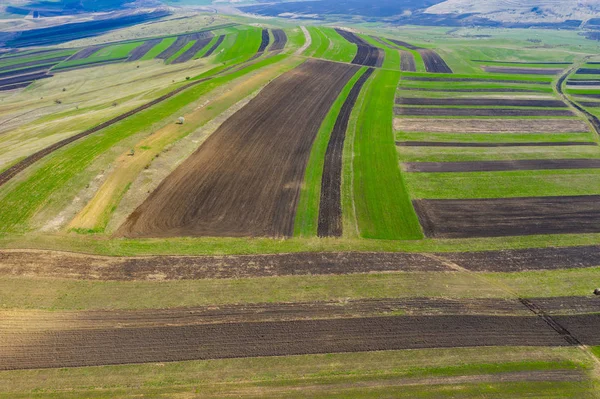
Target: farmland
212	205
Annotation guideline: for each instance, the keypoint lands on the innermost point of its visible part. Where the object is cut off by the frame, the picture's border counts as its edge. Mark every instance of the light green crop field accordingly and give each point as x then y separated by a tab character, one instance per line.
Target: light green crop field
107	54
159	48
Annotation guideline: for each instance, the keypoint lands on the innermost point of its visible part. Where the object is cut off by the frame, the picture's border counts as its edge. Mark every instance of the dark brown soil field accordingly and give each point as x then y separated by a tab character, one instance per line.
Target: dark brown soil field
589	95
24	71
15	86
584	327
404	44
523	62
480	112
191	52
18	69
590	104
518	260
491	125
476	80
264	42
509	216
501	90
482	102
279	40
366	54
588	71
72	348
570	305
76	266
433	62
487	145
583	83
407	61
522	71
330	207
141	51
228	187
180	43
24	78
91	64
494	166
85	53
212	48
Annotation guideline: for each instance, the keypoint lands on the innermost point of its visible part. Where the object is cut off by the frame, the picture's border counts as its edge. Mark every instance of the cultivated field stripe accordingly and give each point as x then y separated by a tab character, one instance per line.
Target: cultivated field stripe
142	50
240	192
522	71
485	145
73	348
509	216
366	54
490	125
493	112
433	62
330	206
492	166
279	41
212	48
480	102
264	42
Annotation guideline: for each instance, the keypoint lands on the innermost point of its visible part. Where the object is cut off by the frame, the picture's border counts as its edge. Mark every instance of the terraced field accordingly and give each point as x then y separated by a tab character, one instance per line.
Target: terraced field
266	210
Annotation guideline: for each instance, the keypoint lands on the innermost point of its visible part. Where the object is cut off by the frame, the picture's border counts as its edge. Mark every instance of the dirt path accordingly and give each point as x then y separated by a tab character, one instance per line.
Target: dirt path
307	43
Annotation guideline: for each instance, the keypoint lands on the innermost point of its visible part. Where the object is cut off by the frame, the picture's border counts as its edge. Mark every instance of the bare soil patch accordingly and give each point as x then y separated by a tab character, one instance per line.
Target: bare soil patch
140	51
588	71
366	53
191	52
407	61
212	48
228	187
433	62
493	166
583	82
590	104
25	78
279	40
490	125
76	266
71	348
509	216
475	90
85	53
180	43
330	206
486	145
475	80
480	102
480	112
522	71
404	44
264	42
20	68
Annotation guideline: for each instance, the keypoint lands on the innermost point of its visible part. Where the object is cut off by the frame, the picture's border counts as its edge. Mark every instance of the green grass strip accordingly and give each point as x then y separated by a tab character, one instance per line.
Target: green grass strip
159	48
181	51
322	42
22	200
307	212
383	206
339	49
111	53
205	49
246	44
295	37
392	55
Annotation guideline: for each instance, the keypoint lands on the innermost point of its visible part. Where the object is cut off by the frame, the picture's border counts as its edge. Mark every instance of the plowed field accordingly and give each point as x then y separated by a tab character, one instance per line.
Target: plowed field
481	102
407	62
481	112
245	179
490	125
492	166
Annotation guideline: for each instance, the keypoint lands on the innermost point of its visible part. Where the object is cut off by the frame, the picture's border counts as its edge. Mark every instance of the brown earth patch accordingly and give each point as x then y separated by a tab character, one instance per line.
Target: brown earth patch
264	41
72	348
517	260
522	71
228	187
588	71
191	52
474	80
481	102
77	266
366	53
490	125
433	62
480	112
509	216
279	40
140	51
212	48
25	78
493	166
474	90
486	145
407	62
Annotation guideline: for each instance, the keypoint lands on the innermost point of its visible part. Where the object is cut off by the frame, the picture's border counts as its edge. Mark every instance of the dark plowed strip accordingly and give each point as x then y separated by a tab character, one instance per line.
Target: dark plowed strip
482	102
15	86
475	90
366	53
191	52
592	119
404	44
407	62
90	64
480	112
330	207
517	260
19	69
583	327
280	39
486	145
85	53
475	80
433	62
216	45
583	83
522	71
228	187
264	41
499	217
591	104
523	62
493	166
74	266
71	348
570	305
140	51
180	43
589	95
551	322
588	71
25	71
24	78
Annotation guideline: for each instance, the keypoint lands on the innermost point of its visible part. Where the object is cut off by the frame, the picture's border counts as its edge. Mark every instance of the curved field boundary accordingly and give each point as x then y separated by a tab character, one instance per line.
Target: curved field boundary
499	217
481	102
330	206
212	48
495	166
192	51
93	347
489	145
366	54
264	41
592	119
142	50
242	192
433	62
279	41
